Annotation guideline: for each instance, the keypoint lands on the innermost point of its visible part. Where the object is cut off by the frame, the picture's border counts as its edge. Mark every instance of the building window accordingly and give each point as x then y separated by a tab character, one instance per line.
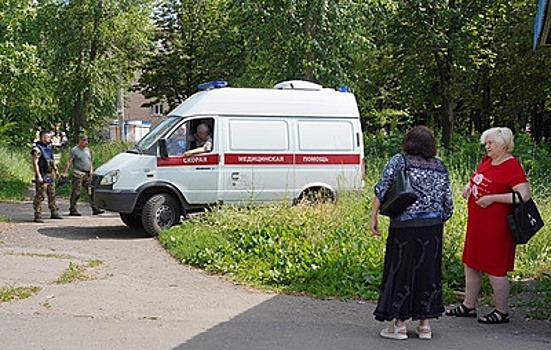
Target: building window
157	109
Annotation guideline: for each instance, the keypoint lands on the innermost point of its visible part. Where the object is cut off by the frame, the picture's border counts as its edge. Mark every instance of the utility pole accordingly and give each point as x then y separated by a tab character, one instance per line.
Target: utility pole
120	113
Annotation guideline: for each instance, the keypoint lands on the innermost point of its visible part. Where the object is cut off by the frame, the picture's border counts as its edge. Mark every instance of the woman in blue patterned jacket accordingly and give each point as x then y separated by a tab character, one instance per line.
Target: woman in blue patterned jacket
411	287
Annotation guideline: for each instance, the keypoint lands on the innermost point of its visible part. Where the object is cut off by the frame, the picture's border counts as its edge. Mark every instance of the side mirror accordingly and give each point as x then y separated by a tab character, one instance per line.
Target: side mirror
163	150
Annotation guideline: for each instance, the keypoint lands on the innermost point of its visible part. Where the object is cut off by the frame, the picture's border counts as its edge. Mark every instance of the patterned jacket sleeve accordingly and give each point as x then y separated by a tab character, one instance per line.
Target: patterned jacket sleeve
395	163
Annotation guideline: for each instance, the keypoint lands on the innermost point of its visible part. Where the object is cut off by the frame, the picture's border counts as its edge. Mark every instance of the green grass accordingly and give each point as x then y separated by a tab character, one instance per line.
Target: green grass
16	172
9	293
535	296
95	263
328	250
318	250
41	255
78	272
75	272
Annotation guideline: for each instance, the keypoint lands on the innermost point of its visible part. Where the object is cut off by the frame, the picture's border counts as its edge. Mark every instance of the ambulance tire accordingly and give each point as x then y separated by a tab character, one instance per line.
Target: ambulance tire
316	196
131	220
160	212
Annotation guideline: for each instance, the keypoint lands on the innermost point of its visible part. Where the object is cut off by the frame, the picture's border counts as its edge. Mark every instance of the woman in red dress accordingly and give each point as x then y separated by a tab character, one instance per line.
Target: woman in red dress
489	245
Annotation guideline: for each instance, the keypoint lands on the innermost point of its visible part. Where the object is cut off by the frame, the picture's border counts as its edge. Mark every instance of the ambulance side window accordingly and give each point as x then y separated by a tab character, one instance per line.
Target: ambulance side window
258	135
177	142
324	135
203	138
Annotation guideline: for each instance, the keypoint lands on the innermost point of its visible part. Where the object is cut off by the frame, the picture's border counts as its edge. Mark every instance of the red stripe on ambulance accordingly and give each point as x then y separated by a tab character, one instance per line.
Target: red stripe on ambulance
298	159
258	159
262	159
323	159
207	159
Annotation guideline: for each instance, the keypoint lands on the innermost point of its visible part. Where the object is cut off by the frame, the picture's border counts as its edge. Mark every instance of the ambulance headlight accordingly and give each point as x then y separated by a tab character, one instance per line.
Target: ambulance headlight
110	178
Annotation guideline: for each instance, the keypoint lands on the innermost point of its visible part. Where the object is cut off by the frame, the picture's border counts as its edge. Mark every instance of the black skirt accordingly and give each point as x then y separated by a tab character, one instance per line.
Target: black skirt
412	283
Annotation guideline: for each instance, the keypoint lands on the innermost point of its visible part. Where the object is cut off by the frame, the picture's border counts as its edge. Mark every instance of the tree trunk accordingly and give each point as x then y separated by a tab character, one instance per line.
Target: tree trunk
486	101
444	63
537	122
87	60
78	118
311	32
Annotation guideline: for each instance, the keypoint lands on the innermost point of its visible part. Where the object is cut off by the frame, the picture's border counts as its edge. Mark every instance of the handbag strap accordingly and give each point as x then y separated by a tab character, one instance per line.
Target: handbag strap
515	198
405	162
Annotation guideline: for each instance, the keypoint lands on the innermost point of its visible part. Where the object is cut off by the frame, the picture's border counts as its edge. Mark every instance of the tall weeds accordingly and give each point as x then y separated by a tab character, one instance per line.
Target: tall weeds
328	250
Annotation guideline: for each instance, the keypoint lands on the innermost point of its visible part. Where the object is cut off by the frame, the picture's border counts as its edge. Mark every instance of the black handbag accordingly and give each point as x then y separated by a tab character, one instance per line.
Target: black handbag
400	195
525	220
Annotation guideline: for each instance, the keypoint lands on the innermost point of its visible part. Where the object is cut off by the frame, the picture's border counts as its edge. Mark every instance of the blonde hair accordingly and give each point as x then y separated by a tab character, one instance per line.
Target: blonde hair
502	136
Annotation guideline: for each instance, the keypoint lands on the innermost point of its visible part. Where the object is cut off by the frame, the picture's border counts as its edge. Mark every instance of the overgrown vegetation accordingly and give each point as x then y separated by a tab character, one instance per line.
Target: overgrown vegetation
328	250
9	292
16	172
535	297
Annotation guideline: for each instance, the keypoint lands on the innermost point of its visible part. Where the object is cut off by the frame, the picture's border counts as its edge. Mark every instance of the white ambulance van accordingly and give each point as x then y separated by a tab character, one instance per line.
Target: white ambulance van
293	142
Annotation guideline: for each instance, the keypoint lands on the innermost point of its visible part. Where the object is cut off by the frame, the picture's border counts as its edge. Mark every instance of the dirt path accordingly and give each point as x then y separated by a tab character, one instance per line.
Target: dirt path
139	297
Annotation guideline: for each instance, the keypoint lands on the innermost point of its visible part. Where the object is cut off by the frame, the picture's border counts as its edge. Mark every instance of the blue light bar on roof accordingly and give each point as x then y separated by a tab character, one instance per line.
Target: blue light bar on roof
344	88
215	84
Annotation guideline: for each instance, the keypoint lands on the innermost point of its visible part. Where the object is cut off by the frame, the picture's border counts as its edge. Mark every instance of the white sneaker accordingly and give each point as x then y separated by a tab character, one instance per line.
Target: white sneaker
393	332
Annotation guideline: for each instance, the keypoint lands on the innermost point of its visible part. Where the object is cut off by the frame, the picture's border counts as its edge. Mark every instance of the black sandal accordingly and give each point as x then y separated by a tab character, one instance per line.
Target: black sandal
462	311
494	317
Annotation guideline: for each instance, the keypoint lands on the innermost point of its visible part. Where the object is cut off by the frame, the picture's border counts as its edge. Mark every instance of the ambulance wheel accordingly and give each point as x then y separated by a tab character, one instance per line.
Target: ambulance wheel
160	212
131	220
316	195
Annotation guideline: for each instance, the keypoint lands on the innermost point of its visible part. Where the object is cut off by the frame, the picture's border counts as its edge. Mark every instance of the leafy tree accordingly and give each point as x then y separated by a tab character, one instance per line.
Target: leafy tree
457	64
520	81
25	99
253	43
430	48
92	48
194	45
316	40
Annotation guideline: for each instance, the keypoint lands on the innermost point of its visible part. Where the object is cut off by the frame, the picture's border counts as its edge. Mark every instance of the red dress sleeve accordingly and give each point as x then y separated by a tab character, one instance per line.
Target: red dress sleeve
516	173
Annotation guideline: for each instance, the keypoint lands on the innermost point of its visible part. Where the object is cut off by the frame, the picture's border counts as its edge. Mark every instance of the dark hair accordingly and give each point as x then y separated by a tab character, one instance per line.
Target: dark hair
419	141
43	132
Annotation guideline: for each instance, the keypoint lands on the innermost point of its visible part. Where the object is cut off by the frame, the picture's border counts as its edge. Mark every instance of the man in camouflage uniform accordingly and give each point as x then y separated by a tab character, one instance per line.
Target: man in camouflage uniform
45	172
83	170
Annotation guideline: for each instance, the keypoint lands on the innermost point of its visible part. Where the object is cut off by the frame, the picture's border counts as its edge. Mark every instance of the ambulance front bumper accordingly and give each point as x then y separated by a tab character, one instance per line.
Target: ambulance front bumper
121	201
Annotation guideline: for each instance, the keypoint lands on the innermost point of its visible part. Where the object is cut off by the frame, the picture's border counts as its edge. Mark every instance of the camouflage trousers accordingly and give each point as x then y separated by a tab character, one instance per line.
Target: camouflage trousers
41	190
80	180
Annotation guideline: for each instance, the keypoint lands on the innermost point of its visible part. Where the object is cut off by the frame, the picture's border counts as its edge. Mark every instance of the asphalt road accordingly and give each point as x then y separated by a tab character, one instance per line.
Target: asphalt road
139	297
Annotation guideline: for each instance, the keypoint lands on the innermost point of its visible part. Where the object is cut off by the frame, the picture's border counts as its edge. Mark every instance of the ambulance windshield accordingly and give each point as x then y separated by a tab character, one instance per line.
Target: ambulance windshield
156	133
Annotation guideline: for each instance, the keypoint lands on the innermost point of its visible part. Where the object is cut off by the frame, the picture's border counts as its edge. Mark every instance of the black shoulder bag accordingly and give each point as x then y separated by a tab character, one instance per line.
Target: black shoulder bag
525	220
400	195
